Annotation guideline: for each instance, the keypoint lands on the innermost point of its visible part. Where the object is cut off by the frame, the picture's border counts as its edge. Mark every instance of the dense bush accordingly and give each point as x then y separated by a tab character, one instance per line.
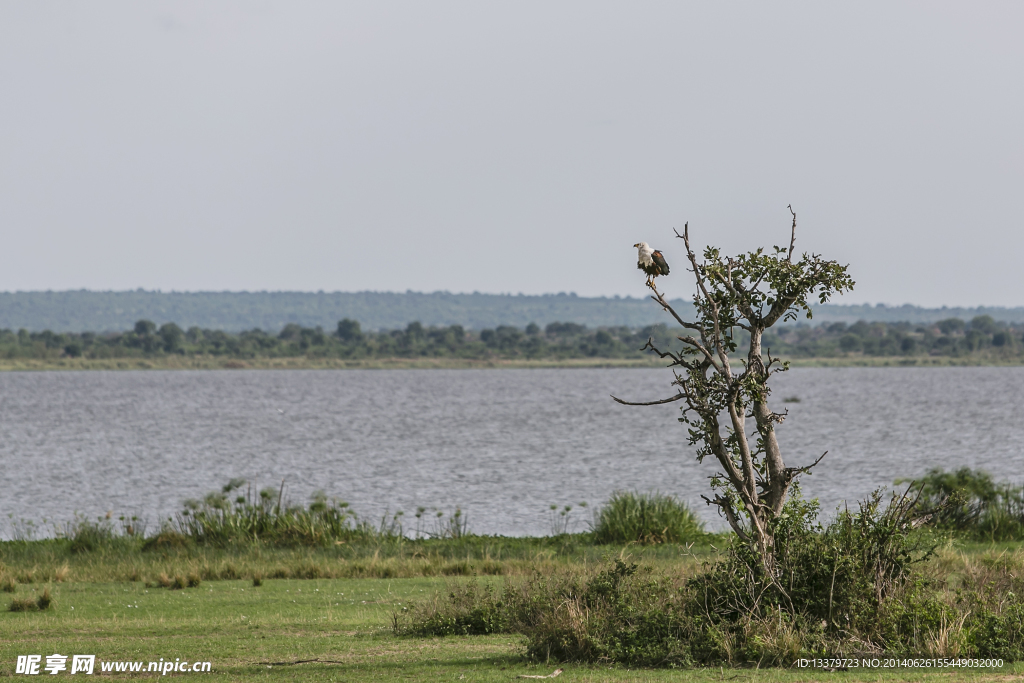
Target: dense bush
968	502
630	517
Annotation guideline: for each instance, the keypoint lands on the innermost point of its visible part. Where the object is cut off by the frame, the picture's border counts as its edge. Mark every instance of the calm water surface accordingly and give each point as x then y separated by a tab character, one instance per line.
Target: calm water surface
501	444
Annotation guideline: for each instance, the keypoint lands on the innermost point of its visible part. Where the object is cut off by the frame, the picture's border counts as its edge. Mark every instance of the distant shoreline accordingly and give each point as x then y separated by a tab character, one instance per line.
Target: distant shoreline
217	363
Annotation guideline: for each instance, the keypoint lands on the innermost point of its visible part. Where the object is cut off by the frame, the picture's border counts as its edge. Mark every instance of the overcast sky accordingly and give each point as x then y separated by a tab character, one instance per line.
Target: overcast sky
508	147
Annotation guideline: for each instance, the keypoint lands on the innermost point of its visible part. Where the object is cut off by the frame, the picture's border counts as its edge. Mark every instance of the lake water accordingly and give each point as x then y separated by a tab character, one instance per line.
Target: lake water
501	444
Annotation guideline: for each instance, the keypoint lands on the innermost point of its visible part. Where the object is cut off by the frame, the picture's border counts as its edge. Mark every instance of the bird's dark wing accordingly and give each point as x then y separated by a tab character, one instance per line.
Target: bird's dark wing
660	261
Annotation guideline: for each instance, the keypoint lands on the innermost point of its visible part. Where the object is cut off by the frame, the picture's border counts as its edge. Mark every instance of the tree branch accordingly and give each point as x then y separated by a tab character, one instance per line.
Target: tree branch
677	397
665	305
723	357
725	507
792	238
793	471
677	360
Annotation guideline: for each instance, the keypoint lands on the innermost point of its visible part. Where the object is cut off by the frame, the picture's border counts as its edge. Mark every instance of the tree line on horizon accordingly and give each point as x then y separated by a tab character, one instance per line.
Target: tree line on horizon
980	337
271	311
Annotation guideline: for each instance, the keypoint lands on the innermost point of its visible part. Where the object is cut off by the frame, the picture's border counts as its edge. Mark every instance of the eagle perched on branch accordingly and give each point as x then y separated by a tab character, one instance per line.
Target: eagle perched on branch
651	262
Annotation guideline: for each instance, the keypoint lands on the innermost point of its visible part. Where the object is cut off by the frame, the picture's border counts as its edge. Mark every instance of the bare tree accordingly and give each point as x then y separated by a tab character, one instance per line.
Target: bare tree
721	390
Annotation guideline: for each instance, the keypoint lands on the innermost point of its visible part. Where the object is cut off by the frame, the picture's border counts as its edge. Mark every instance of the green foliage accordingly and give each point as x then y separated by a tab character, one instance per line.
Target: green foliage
466	609
968	502
561	341
349	331
87	536
984	338
840	575
557	341
268	518
646	518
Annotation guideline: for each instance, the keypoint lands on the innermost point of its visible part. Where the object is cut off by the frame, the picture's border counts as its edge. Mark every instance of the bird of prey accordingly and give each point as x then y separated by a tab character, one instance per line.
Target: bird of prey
651	262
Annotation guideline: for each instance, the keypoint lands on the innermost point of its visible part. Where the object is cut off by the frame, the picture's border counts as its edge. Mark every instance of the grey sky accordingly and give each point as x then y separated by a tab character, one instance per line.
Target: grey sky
515	147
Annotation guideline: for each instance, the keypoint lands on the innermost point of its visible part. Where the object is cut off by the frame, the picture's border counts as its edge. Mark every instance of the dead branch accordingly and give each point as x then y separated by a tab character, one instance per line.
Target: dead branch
666	354
677	397
792	239
303	661
668	307
793	471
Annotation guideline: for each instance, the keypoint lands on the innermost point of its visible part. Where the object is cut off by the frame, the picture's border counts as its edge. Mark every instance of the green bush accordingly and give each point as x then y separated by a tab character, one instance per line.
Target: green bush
466	609
646	518
970	503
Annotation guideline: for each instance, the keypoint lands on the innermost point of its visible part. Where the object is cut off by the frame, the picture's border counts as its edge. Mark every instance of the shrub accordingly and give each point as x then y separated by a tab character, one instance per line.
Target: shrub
466	609
646	518
970	503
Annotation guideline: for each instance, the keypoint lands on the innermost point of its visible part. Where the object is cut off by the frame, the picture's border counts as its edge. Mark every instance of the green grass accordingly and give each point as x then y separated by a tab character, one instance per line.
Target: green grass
335	603
243	630
123	559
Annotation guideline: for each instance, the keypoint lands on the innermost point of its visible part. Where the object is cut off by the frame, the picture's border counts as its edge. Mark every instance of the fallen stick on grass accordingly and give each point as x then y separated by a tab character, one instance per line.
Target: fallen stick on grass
550	675
301	661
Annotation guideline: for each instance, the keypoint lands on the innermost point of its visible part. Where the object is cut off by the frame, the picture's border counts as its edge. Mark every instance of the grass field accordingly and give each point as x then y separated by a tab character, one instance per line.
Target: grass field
255	633
251	632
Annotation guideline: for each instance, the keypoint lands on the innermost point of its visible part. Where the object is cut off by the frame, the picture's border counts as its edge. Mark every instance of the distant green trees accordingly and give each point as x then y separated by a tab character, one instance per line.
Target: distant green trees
982	338
347	341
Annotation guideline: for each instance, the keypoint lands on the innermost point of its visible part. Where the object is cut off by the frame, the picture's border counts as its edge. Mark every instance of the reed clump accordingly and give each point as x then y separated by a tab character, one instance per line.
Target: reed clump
646	518
268	518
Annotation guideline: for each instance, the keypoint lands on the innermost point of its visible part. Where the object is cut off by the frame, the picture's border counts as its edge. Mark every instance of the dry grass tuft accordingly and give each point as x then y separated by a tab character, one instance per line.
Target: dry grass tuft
45	600
23	605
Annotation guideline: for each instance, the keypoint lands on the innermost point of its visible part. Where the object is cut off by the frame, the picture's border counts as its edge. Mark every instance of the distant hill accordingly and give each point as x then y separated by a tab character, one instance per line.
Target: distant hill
82	310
